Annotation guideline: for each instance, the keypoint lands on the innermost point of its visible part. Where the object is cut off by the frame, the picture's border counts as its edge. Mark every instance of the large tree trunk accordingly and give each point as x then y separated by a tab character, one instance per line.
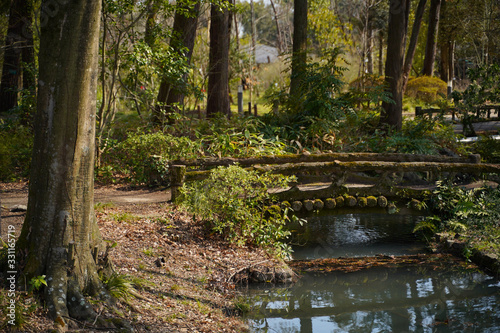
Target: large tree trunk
183	37
392	113
410	53
432	32
299	46
218	75
60	230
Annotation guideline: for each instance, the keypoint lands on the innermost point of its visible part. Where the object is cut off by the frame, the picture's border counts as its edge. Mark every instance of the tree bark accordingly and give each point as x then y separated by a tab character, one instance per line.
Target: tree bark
11	73
392	113
446	37
432	32
183	38
218	75
279	43
410	53
381	53
60	229
299	46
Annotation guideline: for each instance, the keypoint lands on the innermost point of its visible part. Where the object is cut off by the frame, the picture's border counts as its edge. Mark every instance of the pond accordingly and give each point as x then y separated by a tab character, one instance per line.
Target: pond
430	293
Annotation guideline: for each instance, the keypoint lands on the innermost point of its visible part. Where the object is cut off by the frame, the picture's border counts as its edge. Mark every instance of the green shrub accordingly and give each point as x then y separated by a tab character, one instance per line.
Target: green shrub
142	157
427	89
488	148
231	203
16	144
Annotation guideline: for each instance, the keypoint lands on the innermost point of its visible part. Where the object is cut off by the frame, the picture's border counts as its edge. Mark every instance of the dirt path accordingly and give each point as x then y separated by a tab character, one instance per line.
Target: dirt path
17	194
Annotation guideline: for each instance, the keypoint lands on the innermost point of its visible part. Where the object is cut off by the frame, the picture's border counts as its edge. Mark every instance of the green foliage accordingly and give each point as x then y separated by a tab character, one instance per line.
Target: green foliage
231	202
141	155
308	118
16	144
37	282
488	148
124	217
236	142
426	88
429	226
418	136
369	89
483	90
120	286
474	214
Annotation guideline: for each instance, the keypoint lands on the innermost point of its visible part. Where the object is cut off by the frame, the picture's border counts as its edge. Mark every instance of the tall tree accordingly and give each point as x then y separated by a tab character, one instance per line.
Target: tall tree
60	229
412	47
432	32
18	39
299	46
182	42
218	75
447	35
392	113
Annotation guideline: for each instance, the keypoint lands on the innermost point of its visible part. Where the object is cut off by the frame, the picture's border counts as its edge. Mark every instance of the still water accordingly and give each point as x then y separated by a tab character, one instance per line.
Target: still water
428	297
356	235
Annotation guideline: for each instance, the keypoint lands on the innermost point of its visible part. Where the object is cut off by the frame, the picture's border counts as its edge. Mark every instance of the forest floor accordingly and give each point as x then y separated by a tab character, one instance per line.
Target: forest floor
187	278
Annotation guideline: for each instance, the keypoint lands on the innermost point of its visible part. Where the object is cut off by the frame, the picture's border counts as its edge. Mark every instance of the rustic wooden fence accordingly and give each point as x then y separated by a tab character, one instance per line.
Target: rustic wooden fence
485	112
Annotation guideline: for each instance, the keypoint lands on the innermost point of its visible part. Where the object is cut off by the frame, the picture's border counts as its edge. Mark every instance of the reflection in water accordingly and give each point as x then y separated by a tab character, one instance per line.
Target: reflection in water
380	300
356	235
404	298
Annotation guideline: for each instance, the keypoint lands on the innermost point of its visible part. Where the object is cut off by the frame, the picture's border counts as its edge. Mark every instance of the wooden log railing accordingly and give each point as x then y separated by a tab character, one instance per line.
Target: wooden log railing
482	112
337	166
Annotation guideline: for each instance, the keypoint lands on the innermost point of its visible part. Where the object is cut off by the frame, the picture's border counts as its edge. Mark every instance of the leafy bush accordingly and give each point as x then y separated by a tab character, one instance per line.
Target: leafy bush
418	136
141	156
231	202
482	90
474	214
16	144
427	89
488	148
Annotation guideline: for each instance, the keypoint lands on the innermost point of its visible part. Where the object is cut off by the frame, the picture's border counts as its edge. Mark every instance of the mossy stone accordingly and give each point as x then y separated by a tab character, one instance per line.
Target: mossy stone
382	201
297	206
340	201
351	201
330	203
318	204
371	201
362	202
309	205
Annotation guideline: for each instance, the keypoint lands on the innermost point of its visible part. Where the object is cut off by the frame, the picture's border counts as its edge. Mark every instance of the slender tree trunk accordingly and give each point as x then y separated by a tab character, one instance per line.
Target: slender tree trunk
279	43
410	53
299	46
381	53
183	38
432	32
445	61
369	50
11	73
28	51
392	114
218	75
60	229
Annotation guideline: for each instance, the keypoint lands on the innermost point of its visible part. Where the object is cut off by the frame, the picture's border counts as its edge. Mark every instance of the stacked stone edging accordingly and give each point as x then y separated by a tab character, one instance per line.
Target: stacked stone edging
309	205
